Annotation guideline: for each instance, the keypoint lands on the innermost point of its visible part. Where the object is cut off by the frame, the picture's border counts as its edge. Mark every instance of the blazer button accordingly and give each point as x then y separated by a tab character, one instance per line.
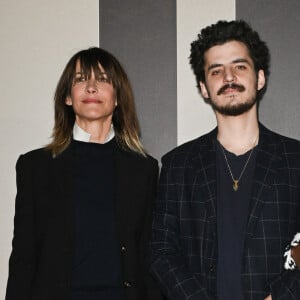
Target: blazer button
123	249
66	250
127	284
212	268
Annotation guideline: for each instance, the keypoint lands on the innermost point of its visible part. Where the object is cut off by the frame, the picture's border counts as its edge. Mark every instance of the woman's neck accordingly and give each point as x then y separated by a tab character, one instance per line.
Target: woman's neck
97	129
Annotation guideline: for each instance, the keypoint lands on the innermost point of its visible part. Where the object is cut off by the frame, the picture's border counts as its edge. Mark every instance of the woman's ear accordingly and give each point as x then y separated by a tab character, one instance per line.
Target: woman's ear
68	101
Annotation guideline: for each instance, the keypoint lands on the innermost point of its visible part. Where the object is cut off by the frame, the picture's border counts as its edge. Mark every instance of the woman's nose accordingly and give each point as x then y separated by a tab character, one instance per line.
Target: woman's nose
91	86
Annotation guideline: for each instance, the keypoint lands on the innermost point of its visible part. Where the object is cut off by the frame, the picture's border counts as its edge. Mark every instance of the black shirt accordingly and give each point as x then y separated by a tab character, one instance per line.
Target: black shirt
96	273
232	217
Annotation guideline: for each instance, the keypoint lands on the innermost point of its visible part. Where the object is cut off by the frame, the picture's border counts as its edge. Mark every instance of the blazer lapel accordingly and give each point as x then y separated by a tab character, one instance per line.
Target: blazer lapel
121	188
204	170
264	174
126	184
63	186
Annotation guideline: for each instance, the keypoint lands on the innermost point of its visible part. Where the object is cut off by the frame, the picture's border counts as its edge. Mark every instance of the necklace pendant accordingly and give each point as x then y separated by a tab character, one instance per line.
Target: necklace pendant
235	185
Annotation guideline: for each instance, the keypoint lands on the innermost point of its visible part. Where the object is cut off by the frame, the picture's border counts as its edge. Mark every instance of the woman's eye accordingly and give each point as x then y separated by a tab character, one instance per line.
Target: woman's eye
102	79
80	79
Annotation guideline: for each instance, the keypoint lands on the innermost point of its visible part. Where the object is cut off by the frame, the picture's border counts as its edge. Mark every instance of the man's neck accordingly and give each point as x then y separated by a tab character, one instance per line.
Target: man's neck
238	134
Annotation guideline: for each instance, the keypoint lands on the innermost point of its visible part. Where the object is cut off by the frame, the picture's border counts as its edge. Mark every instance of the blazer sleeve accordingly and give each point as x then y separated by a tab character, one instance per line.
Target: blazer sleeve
287	285
23	257
167	263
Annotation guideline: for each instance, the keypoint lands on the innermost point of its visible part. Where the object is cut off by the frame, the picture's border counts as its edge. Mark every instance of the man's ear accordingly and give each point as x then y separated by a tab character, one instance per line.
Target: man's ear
68	101
261	79
203	90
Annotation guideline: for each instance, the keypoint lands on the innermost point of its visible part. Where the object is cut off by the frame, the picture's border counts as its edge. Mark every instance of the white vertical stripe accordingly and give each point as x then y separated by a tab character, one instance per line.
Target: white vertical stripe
37	39
194	116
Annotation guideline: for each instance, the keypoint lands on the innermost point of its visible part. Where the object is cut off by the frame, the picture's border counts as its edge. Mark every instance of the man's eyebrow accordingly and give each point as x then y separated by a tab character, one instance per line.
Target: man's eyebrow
236	61
213	66
241	60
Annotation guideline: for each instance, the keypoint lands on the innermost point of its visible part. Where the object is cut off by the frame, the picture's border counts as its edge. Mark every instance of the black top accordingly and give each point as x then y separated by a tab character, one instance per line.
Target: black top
96	273
232	217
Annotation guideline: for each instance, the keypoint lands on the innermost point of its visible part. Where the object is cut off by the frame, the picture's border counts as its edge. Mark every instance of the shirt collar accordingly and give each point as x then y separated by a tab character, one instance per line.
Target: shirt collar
81	135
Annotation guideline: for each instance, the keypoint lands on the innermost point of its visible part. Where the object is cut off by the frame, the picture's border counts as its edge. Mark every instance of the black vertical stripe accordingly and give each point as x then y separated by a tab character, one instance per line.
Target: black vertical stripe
142	35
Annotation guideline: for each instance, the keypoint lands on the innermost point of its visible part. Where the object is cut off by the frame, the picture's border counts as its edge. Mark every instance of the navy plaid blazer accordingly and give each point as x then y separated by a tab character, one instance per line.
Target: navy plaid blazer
183	250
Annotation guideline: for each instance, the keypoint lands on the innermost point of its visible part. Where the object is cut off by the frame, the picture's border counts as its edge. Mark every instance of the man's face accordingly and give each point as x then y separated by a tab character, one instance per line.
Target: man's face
231	82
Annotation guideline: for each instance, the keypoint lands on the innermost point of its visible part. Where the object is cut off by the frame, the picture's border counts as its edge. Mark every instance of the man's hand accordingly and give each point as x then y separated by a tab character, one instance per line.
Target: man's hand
295	252
268	298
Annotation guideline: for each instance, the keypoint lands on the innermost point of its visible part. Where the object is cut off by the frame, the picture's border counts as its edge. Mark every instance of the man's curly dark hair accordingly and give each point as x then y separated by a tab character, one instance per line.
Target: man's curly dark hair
222	32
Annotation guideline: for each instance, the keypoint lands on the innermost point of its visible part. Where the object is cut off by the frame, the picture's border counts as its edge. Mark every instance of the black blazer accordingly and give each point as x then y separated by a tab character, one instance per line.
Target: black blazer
184	247
40	263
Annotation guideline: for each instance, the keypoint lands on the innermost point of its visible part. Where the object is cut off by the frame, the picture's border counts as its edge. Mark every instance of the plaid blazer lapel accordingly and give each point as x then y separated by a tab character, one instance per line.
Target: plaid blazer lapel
265	170
204	174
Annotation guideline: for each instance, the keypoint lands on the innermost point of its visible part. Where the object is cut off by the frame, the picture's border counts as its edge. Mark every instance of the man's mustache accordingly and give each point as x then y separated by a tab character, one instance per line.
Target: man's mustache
238	87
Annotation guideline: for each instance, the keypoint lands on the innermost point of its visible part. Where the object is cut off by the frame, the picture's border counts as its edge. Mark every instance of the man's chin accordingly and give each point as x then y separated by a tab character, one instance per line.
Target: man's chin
233	110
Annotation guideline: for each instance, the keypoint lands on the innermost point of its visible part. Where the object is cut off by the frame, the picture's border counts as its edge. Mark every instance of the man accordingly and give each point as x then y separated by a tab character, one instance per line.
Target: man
228	202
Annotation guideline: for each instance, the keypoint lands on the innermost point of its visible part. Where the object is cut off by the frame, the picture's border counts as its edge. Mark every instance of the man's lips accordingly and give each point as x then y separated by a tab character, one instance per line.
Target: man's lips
230	88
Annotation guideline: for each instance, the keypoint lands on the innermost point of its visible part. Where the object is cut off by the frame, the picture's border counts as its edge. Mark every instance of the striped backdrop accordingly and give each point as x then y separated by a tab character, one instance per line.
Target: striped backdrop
152	40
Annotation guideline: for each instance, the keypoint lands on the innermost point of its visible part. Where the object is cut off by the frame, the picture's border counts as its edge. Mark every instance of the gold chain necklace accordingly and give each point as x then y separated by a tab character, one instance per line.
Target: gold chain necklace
235	185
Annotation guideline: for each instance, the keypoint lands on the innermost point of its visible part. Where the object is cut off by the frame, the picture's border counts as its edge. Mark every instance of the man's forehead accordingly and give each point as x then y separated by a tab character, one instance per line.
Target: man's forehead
229	52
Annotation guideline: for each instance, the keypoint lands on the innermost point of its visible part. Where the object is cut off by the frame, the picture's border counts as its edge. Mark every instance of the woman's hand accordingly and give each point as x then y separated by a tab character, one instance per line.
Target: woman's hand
268	298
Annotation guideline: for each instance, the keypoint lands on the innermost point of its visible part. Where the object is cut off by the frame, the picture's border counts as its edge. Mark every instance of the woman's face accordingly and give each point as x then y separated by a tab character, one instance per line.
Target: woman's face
92	98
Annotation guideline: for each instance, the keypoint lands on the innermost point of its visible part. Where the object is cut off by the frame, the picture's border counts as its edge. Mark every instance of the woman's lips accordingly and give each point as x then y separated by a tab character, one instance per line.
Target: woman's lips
89	100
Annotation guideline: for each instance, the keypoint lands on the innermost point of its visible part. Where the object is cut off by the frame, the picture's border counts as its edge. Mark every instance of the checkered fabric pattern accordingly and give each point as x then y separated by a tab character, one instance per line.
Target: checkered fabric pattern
183	250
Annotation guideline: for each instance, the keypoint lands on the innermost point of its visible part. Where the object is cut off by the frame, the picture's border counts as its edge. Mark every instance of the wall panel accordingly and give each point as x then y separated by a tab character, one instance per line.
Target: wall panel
278	24
142	35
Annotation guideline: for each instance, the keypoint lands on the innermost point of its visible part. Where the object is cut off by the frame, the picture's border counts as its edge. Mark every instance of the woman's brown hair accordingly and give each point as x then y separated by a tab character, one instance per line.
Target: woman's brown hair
124	119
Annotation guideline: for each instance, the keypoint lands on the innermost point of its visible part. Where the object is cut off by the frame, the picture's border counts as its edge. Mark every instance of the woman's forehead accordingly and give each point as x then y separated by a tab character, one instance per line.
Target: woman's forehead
87	67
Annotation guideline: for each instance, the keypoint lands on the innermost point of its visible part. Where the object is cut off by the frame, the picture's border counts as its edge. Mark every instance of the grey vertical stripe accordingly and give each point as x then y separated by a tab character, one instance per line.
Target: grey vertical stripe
142	35
278	23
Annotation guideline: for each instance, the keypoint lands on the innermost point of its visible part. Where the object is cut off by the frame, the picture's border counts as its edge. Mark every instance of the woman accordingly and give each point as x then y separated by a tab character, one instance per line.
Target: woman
83	205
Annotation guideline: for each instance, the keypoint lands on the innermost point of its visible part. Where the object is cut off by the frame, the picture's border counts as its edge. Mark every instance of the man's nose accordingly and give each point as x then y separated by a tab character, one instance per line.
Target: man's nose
229	75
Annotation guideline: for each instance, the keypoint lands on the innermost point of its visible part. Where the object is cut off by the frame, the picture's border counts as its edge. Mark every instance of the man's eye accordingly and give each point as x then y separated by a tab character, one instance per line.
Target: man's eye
240	67
215	72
